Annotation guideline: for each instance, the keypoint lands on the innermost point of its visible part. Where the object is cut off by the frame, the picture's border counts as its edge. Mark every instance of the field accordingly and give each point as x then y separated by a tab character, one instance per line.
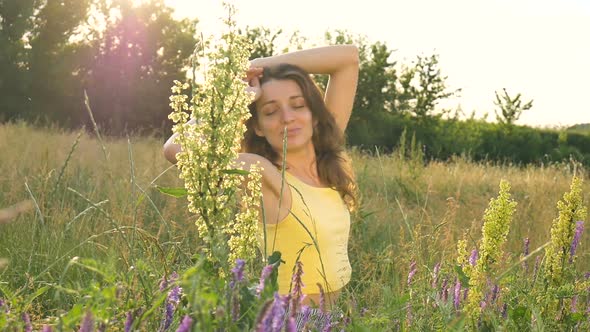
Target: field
97	236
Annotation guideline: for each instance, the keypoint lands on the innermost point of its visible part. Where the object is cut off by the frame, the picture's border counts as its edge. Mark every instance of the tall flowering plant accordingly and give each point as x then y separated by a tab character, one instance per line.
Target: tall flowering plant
561	284
497	219
226	210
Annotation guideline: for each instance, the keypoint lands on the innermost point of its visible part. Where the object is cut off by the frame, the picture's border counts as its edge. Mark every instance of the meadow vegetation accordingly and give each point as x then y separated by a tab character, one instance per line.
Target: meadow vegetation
99	239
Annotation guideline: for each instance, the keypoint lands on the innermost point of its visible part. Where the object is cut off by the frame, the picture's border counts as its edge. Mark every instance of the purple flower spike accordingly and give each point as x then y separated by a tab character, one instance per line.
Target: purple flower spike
87	323
47	328
291	325
457	294
27	321
297	291
171	302
238	272
274	316
306	312
322	298
504	312
129	321
576	240
278	312
574	306
495	291
185	325
435	275
165	282
412	272
527	243
444	290
266	271
473	257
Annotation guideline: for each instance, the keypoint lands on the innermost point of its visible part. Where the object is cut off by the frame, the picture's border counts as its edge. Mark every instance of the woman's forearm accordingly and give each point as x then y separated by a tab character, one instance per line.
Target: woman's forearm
171	148
319	60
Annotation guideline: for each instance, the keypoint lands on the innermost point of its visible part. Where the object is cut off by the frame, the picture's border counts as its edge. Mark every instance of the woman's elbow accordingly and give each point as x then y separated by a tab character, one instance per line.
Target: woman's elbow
170	151
353	54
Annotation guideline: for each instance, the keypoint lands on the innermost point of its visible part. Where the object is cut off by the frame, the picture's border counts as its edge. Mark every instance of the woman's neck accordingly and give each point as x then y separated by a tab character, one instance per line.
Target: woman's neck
303	165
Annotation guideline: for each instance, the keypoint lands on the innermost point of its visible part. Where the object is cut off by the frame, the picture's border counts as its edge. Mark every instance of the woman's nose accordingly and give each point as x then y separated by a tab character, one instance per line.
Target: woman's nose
287	115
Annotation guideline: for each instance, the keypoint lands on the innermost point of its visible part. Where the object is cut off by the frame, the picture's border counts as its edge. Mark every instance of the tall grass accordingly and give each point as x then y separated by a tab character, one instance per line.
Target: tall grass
95	217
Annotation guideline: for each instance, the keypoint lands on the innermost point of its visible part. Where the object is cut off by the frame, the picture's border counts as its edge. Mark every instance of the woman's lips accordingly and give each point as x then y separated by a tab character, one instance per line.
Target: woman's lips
293	131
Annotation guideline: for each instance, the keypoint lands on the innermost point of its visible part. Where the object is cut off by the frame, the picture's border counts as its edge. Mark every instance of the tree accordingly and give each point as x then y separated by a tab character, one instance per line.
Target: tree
376	89
34	36
422	86
510	109
133	66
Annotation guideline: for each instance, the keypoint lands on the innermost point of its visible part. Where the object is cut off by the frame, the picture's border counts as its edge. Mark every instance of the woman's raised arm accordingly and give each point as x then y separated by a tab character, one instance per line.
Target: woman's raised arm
340	62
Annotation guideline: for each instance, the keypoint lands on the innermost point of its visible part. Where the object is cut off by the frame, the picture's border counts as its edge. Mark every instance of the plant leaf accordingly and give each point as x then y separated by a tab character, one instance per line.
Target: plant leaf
235	171
173	191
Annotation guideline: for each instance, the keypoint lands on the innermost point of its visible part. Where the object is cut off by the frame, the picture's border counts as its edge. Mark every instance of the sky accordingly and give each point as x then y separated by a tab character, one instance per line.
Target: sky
538	48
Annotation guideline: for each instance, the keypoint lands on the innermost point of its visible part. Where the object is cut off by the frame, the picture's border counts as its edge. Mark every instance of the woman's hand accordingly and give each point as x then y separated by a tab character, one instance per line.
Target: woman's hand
252	77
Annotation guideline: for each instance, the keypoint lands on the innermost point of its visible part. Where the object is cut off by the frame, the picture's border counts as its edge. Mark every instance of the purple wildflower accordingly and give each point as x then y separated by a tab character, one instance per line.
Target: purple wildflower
495	291
457	294
576	240
444	290
306	313
87	323
171	302
238	272
412	272
435	274
527	243
465	293
278	312
47	328
322	298
483	305
185	325
587	275
164	282
328	325
297	291
504	311
128	321
27	321
473	257
274	314
574	306
266	271
291	325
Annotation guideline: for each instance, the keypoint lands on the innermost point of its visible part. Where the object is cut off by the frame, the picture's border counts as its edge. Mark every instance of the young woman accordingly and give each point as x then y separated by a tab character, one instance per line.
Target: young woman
307	215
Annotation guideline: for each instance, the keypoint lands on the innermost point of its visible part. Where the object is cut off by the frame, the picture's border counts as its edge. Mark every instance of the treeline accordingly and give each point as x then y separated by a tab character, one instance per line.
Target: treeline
442	139
125	57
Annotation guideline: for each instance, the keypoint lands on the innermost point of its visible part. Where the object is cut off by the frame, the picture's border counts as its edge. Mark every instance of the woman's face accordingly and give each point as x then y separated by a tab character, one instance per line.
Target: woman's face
281	106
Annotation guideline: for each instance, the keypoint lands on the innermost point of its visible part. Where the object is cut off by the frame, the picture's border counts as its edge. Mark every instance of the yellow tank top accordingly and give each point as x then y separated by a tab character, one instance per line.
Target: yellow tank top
317	229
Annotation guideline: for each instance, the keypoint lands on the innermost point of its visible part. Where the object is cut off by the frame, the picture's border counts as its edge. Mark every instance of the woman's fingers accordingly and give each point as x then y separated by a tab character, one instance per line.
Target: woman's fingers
253	72
254	88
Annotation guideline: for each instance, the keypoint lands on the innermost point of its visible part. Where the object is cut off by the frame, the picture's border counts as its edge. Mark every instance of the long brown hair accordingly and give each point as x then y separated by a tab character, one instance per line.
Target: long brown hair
333	165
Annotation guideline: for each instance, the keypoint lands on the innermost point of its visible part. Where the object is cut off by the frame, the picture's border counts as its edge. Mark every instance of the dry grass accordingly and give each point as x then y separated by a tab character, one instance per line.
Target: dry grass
409	210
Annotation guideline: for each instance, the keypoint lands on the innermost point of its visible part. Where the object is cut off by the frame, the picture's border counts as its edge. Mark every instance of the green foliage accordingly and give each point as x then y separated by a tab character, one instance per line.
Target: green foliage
510	108
423	86
106	247
125	56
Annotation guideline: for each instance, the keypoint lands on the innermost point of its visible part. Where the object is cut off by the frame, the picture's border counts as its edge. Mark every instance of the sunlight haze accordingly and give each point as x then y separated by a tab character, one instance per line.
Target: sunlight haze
536	48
